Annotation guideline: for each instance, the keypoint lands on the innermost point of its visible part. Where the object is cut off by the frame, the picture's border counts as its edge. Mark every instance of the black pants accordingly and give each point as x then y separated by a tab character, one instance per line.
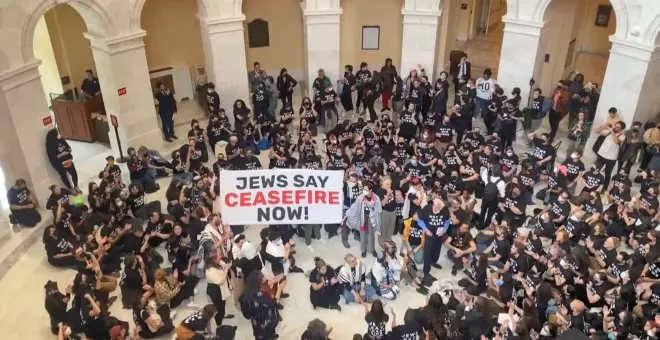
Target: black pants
555	118
488	209
359	100
432	249
214	293
459	135
64	172
167	125
26	217
286	98
646	157
369	103
609	166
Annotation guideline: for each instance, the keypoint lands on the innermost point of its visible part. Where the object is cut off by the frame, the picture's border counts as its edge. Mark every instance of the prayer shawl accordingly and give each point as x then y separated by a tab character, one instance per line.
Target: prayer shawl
405	210
347	276
355	214
209	234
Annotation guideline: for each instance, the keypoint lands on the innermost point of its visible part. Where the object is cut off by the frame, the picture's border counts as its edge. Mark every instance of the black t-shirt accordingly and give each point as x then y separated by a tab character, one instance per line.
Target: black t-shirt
518	264
461	241
558	209
573	169
18	196
608	256
375	328
388	200
528	179
542	150
406	332
595	207
195	322
433	220
592	180
56	247
508	162
135	202
248	163
501	247
131	279
575	229
518	202
445	132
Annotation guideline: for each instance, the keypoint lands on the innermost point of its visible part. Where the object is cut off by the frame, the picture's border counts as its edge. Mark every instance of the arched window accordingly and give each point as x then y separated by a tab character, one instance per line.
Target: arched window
258	33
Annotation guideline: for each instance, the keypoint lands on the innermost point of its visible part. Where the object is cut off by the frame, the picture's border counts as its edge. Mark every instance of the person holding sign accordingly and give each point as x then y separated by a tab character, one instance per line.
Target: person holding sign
364	215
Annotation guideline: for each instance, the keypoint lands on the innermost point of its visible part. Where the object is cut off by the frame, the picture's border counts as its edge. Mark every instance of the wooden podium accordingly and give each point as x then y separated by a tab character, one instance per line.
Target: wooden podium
77	118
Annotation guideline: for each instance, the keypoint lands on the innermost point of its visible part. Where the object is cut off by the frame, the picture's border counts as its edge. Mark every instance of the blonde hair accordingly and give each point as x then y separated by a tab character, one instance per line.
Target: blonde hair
159	274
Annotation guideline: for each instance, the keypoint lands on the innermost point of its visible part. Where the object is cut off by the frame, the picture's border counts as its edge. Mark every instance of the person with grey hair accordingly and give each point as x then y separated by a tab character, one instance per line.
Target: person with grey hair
316	330
364	215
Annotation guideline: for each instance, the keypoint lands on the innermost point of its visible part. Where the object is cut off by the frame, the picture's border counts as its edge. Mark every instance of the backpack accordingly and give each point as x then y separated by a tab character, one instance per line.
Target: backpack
491	193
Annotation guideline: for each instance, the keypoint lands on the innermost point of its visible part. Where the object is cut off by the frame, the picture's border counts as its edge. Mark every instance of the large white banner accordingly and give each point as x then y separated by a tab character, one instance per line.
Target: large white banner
281	196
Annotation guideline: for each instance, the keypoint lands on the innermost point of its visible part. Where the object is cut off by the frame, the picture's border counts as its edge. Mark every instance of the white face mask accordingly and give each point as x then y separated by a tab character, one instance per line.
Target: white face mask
413	162
210	90
574	156
509	153
67	332
366	193
119	204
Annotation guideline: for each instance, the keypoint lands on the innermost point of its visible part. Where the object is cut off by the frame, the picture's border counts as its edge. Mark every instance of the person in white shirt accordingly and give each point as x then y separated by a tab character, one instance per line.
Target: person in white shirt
609	150
493	192
485	89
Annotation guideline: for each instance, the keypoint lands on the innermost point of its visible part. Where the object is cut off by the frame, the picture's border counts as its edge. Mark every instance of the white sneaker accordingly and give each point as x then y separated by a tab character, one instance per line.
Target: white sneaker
173	314
192	304
311	249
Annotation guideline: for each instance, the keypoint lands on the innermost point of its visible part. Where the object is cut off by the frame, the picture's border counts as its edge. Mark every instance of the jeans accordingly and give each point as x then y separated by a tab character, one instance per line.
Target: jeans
369	293
185	177
480	249
480	105
168	126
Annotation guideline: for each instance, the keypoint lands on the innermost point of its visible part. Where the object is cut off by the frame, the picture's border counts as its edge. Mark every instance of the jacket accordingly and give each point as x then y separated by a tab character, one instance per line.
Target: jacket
355	214
561	105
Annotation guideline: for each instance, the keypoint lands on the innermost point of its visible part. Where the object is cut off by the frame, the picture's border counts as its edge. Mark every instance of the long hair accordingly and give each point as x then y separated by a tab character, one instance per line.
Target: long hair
436	311
51	147
378	312
253	283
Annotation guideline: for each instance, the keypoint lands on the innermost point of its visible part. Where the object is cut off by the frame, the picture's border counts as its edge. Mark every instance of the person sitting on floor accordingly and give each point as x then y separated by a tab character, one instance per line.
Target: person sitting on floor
23	205
324	288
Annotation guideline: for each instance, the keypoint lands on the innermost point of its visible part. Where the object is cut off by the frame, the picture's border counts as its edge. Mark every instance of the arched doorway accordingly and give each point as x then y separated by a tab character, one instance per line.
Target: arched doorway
58	38
575	40
480	27
175	56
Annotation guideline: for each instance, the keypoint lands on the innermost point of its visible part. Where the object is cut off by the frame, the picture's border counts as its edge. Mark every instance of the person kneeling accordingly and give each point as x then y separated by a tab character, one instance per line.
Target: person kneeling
324	289
196	325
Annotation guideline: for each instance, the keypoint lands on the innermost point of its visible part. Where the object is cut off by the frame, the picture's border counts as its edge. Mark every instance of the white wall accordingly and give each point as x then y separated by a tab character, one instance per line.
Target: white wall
43	49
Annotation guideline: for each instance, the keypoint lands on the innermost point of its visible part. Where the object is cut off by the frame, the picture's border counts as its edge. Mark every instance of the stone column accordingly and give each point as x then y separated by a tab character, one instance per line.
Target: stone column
224	49
420	26
322	39
22	133
631	82
122	63
519	56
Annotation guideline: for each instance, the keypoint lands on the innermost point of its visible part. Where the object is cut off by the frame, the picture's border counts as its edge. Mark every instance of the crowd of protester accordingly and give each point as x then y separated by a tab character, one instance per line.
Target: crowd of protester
555	245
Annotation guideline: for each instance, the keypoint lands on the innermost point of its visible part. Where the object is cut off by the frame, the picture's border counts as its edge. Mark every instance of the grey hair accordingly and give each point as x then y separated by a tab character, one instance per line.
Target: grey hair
317	329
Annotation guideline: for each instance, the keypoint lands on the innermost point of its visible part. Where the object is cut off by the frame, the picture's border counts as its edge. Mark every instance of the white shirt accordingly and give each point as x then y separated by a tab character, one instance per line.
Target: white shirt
485	88
610	150
500	185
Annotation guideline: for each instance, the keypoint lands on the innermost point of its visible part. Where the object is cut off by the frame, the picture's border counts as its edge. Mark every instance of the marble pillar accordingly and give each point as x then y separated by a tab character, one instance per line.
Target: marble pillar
322	41
631	82
225	59
420	25
22	132
121	63
519	59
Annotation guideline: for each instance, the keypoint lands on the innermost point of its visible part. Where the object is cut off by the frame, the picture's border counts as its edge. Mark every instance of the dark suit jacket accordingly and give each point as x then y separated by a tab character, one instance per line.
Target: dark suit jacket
468	71
166	104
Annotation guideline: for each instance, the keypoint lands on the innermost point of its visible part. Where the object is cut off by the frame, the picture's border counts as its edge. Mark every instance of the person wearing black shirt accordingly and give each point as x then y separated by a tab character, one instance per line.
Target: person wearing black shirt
212	100
59	251
285	85
388	214
215	132
166	110
328	115
248	161
56	306
325	289
513	207
361	77
543	151
60	157
461	245
90	85
574	171
560	208
22	206
434	220
476	280
592	179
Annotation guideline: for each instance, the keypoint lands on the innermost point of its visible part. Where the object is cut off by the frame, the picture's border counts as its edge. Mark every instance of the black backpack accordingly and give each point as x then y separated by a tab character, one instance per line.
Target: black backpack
491	193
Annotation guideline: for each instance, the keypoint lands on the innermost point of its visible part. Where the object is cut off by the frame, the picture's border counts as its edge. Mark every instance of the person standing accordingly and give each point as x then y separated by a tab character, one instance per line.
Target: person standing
362	77
347	89
256	76
609	150
631	146
433	219
388	74
217	287
59	155
485	89
166	111
364	215
388	214
90	85
212	100
285	84
463	73
560	98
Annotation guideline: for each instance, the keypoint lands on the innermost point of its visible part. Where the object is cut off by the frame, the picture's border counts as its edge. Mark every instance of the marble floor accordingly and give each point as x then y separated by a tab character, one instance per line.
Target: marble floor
24	270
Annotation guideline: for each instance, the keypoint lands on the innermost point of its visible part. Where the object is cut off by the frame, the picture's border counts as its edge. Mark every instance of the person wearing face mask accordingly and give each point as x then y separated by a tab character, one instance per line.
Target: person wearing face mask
348	85
578	133
329	116
215	133
200	137
166	110
398	100
461	117
508	123
460	246
212	99
362	77
609	149
364	215
539	107
574	171
445	134
630	147
485	86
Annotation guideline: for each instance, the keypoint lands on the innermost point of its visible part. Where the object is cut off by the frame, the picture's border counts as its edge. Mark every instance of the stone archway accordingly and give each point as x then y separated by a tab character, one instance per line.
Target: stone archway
619	7
94	15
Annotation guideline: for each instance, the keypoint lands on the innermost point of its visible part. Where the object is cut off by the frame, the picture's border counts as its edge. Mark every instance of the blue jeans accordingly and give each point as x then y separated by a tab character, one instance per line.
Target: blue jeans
369	293
185	177
480	105
480	249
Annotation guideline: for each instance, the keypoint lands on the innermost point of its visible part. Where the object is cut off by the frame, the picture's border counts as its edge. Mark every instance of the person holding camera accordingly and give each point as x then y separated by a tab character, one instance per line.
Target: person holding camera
630	147
608	151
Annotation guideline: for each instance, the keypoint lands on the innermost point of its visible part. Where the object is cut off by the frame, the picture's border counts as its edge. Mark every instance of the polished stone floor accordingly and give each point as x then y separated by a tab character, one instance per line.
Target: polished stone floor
24	270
